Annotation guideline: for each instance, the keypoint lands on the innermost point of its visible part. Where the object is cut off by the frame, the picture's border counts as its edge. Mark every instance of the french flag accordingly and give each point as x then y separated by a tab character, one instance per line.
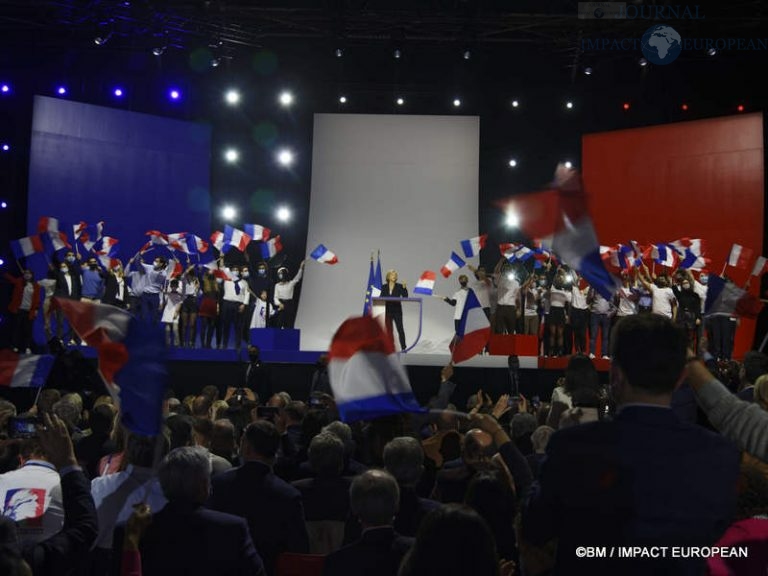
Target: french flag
759	266
106	245
740	256
235	238
452	265
131	357
78	229
472	246
323	255
27	246
515	252
559	216
271	247
217	240
47	224
473	333
216	271
366	376
725	297
24	371
257	232
664	254
157	238
426	283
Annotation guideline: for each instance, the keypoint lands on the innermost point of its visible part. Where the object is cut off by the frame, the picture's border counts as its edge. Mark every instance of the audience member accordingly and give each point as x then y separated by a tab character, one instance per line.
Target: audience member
539	440
753	365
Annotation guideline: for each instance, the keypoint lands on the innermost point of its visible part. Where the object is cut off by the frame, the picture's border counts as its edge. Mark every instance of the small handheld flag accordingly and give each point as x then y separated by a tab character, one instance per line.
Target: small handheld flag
323	255
271	247
257	232
472	246
426	283
452	265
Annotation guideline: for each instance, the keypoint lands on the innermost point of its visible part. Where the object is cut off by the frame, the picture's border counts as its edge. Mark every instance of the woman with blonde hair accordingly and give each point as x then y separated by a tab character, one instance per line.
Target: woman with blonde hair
394	310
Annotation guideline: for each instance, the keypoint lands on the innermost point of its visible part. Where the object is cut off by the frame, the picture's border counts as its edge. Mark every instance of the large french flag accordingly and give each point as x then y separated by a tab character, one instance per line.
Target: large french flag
271	247
235	238
559	217
323	255
472	246
27	246
426	283
217	240
131	360
452	265
366	376
740	256
257	232
157	238
664	254
47	224
24	371
725	297
474	330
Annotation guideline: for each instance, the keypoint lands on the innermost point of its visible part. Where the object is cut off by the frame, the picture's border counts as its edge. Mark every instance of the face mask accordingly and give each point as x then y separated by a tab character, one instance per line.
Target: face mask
64	269
235	275
704	279
157	265
542	283
70	258
463	284
246	274
93	266
27	277
686	286
262	272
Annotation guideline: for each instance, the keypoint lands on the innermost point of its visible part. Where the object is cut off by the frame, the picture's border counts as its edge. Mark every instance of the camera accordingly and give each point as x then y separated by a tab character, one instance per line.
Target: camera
23	426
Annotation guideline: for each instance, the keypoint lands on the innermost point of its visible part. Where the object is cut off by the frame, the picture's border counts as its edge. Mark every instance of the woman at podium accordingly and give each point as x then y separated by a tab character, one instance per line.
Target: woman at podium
393	311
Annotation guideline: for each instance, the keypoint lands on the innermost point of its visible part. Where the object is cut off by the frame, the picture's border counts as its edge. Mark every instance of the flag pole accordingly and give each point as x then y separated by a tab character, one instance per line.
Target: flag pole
724	267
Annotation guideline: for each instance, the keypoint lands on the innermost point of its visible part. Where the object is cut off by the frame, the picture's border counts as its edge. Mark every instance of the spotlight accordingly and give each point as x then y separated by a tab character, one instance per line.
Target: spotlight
684	107
569	105
232	97
283	214
711	52
5	89
467	55
511	276
342	99
61	90
174	94
5	148
397	53
339	52
285	157
515	103
626	106
228	213
568	164
456	102
215	62
3	204
588	70
512	220
118	92
2	261
740	108
512	163
158	50
102	39
400	101
285	98
231	155
643	62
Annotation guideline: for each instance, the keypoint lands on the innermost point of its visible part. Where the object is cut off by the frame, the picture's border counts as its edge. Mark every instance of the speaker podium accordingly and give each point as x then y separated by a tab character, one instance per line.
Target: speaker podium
276	339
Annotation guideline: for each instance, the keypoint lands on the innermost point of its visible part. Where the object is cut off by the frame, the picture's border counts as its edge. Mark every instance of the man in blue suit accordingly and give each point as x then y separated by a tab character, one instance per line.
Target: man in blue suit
643	479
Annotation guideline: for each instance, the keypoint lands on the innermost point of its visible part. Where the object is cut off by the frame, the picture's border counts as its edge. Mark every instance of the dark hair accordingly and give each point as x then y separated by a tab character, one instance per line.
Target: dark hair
102	419
140	450
755	365
180	428
650	350
442	543
262	438
490	494
211	391
752	499
201	405
295	410
581	378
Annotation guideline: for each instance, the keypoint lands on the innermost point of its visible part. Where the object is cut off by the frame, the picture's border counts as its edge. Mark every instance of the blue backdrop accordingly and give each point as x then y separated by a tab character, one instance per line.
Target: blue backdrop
134	171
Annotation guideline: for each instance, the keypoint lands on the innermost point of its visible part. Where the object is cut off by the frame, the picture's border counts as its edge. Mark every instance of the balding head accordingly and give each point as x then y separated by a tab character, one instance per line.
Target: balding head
478	446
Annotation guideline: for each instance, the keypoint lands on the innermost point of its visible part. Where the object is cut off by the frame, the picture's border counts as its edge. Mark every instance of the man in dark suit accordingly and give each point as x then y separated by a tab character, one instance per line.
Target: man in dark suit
643	479
374	498
393	311
272	507
186	539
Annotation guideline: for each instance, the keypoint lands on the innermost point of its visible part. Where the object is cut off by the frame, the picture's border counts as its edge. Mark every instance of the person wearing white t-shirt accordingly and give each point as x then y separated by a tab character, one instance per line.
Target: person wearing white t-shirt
508	302
531	294
664	302
559	304
458	299
482	287
626	298
579	315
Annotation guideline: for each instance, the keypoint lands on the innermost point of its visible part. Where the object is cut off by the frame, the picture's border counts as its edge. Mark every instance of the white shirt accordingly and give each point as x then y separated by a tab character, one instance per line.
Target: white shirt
136	484
259	316
48	285
701	290
231	295
508	291
68	278
461	297
579	297
31	497
284	290
26	296
663	300
120	288
482	290
559	298
627	307
532	297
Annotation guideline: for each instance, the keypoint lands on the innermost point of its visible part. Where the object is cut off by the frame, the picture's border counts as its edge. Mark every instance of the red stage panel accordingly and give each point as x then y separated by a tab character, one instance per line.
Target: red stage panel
701	179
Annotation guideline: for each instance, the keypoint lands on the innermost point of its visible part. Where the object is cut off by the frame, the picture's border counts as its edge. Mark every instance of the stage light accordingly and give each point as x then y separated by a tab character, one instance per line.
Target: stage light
568	164
3	204
569	278
643	62
684	107
740	108
215	62
342	99
712	52
5	89
232	97
512	163
397	53
588	71
569	105
515	103
174	94
231	155
228	213
2	262
102	39
158	50
118	92
61	90
456	102
283	214
285	98
339	52
467	55
400	101
285	157
626	106
512	220
5	148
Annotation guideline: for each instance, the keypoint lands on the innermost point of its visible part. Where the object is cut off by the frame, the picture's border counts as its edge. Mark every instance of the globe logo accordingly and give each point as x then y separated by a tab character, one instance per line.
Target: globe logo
661	44
599	13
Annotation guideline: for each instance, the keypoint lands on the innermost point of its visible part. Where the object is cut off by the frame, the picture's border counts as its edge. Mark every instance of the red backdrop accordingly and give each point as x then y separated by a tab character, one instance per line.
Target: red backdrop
700	179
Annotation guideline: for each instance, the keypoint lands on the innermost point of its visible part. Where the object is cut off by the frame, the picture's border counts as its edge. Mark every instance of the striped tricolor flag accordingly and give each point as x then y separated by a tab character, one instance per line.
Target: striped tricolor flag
452	265
323	255
472	246
426	283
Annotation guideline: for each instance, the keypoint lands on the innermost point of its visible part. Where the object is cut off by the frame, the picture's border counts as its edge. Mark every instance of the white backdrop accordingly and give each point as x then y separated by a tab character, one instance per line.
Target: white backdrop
405	185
